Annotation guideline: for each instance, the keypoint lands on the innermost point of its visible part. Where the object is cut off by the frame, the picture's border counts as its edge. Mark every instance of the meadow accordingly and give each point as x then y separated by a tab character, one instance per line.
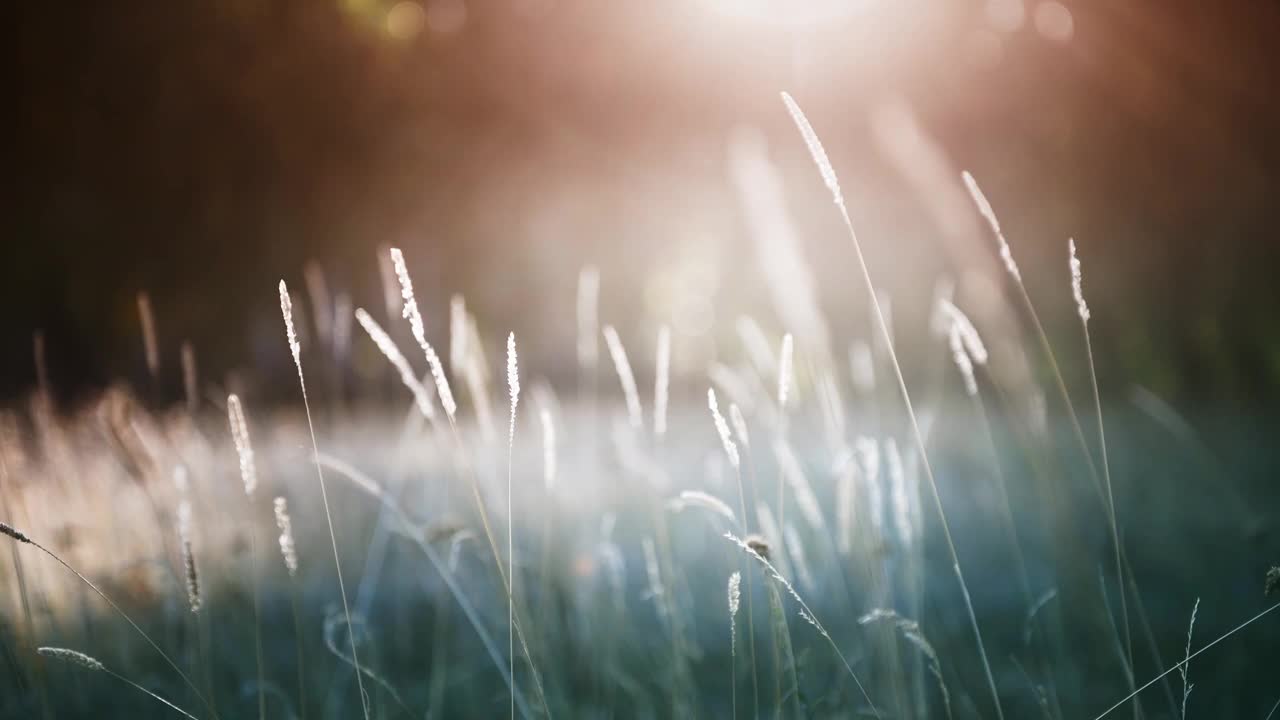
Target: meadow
812	526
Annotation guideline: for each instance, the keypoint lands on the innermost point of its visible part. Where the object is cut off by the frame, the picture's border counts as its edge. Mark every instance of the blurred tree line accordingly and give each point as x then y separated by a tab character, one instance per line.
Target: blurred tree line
200	151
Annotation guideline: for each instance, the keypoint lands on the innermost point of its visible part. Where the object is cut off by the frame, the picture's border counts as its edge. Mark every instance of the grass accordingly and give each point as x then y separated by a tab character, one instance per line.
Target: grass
612	587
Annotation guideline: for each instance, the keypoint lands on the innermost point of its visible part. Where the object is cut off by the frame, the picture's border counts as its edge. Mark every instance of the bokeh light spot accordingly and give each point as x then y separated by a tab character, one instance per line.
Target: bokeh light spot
405	20
1053	20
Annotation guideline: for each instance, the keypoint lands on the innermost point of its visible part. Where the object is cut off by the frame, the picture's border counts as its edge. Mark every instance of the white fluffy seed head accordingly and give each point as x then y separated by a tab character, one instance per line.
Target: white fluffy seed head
739	424
286	310
387	346
706	501
411	313
984	207
1077	282
735	599
190	570
442	381
288	549
409	305
962	360
71	656
968	333
722	428
513	381
785	365
815	148
244	448
661	381
625	377
867	451
773	572
901	494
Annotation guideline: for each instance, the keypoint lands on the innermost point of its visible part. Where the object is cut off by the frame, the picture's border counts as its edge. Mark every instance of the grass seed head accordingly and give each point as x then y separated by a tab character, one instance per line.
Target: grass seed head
16	534
71	656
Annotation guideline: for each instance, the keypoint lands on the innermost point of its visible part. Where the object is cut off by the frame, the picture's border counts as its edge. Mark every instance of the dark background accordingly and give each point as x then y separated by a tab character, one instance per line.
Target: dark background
201	151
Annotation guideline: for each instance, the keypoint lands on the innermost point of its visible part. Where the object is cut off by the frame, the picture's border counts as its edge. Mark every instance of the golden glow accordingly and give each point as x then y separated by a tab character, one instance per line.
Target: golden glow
405	20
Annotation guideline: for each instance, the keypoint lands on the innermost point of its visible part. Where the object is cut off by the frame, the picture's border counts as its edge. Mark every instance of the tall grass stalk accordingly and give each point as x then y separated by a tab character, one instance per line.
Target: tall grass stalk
1149	634
1186	664
1082	309
968	350
984	207
661	382
249	477
734	593
786	657
408	530
289	554
286	310
829	178
89	663
21	537
23	596
805	613
735	460
513	388
1188	659
150	347
626	378
414	316
502	571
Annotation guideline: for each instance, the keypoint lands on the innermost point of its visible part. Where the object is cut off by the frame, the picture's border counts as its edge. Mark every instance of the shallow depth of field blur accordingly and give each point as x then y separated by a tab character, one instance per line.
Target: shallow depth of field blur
562	171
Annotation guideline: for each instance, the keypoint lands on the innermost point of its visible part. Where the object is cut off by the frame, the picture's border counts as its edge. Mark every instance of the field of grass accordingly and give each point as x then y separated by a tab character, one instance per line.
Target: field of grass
780	535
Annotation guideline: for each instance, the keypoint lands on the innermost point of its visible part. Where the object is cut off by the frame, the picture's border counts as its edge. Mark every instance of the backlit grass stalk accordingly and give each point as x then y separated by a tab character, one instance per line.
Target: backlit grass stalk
89	663
785	379
786	658
21	574
1006	255
626	378
805	612
286	309
408	530
735	460
18	535
513	389
414	316
1082	309
289	554
829	178
249	476
1186	664
734	595
661	382
968	350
